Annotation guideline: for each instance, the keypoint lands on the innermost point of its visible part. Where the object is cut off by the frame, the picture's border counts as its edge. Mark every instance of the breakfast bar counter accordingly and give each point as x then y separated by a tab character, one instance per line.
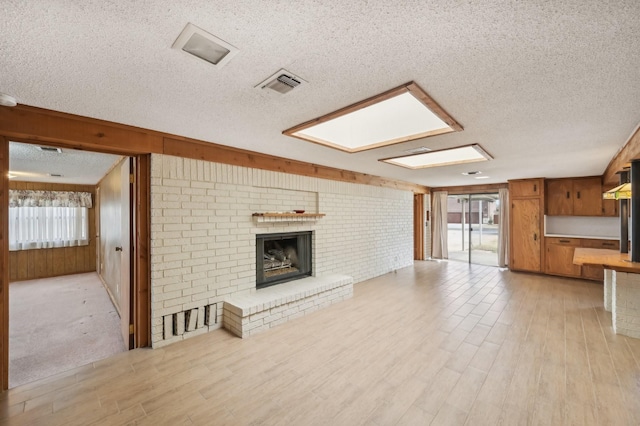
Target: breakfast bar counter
621	286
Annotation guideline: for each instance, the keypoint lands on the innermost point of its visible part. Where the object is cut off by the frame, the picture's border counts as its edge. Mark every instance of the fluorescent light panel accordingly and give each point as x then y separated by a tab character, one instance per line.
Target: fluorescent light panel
445	157
399	115
205	46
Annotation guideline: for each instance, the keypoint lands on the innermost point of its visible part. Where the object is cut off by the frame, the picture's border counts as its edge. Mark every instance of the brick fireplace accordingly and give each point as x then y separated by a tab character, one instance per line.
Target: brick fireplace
204	245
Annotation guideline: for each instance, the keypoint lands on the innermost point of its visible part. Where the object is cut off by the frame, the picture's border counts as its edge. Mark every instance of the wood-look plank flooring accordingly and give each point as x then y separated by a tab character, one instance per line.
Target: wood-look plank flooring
438	343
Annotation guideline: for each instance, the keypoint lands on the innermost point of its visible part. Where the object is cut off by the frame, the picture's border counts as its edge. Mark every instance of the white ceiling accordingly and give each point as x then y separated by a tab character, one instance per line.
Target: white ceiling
548	88
30	164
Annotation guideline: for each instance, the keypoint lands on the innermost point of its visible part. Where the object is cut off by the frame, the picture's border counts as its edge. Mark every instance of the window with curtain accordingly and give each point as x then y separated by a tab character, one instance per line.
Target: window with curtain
46	219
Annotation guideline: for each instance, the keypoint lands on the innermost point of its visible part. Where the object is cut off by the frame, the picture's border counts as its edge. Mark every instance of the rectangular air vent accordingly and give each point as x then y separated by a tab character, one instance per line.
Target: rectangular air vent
282	82
419	150
50	149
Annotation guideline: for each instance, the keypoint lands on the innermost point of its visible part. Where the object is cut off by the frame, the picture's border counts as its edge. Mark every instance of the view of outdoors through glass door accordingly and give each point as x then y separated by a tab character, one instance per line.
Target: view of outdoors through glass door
473	228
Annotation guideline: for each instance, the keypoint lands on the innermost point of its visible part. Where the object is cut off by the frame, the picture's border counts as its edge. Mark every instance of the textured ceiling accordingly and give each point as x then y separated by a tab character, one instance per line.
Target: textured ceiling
30	164
548	88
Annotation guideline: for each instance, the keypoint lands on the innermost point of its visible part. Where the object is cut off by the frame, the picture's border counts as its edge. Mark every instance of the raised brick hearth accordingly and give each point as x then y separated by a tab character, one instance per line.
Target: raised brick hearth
245	315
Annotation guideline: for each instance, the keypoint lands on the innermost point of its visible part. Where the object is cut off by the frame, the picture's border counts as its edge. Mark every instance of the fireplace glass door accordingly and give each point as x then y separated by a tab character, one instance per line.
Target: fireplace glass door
282	257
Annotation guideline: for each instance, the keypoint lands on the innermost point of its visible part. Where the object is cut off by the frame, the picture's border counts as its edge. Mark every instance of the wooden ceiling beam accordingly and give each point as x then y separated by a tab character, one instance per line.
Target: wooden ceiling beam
630	151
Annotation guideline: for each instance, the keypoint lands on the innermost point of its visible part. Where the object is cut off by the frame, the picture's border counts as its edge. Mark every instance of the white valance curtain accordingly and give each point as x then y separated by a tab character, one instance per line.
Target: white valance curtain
440	230
46	219
29	198
503	228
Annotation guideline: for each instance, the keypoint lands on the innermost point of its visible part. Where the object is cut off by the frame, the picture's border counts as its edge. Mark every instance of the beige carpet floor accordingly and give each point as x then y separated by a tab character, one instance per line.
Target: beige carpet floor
56	324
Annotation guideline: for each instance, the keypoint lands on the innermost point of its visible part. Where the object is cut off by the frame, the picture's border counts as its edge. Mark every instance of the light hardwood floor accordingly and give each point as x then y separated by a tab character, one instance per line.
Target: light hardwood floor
438	343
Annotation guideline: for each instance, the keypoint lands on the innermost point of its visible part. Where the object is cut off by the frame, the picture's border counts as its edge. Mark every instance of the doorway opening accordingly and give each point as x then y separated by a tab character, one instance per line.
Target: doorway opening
472	228
70	272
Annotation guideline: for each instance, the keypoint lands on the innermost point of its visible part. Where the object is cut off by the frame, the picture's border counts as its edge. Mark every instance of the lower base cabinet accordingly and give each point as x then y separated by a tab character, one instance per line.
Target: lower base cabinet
559	257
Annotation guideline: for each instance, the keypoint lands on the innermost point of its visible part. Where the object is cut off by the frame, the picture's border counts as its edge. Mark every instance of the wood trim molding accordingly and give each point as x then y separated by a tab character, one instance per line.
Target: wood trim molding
189	148
4	258
31	124
418	226
630	151
433	106
142	236
471	189
25	123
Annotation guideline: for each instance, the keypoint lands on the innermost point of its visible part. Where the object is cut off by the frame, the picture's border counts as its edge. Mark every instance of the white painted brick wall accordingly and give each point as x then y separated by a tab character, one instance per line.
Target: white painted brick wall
203	235
608	289
626	304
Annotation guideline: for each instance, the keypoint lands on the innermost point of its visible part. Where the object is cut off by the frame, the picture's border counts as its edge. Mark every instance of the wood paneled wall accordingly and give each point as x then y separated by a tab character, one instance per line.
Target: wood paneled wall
52	262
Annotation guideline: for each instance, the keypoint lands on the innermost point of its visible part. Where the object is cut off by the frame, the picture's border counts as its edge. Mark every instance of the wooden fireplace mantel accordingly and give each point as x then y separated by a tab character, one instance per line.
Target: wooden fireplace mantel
287	217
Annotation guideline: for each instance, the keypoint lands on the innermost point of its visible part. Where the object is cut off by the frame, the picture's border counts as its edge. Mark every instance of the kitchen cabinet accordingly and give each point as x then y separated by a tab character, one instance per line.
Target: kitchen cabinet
559	257
525	188
574	197
559	198
525	214
525	235
587	199
594	272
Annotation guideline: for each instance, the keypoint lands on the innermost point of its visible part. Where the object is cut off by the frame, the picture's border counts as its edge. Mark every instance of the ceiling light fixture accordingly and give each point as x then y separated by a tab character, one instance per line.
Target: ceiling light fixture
443	157
621	192
399	115
482	177
199	43
475	172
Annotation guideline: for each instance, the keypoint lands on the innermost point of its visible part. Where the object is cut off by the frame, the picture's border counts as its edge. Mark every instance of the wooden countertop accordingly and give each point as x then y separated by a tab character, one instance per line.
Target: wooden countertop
605	258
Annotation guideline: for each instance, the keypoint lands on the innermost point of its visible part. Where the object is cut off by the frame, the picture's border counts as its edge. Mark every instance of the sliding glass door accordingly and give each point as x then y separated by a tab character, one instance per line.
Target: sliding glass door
473	228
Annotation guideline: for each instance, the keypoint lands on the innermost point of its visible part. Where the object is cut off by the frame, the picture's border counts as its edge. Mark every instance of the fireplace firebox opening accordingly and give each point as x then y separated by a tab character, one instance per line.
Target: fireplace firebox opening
282	257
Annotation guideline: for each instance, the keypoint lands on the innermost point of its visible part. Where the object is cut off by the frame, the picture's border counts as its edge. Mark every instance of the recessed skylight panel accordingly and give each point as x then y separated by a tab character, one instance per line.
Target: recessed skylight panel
397	118
445	157
399	115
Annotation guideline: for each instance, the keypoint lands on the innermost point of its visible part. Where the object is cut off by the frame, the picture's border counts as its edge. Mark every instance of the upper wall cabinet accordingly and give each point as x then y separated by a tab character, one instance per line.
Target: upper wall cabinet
574	197
525	188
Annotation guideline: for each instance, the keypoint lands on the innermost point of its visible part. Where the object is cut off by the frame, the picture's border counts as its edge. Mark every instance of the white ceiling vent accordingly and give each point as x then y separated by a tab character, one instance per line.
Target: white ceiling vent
199	43
282	82
418	150
50	149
